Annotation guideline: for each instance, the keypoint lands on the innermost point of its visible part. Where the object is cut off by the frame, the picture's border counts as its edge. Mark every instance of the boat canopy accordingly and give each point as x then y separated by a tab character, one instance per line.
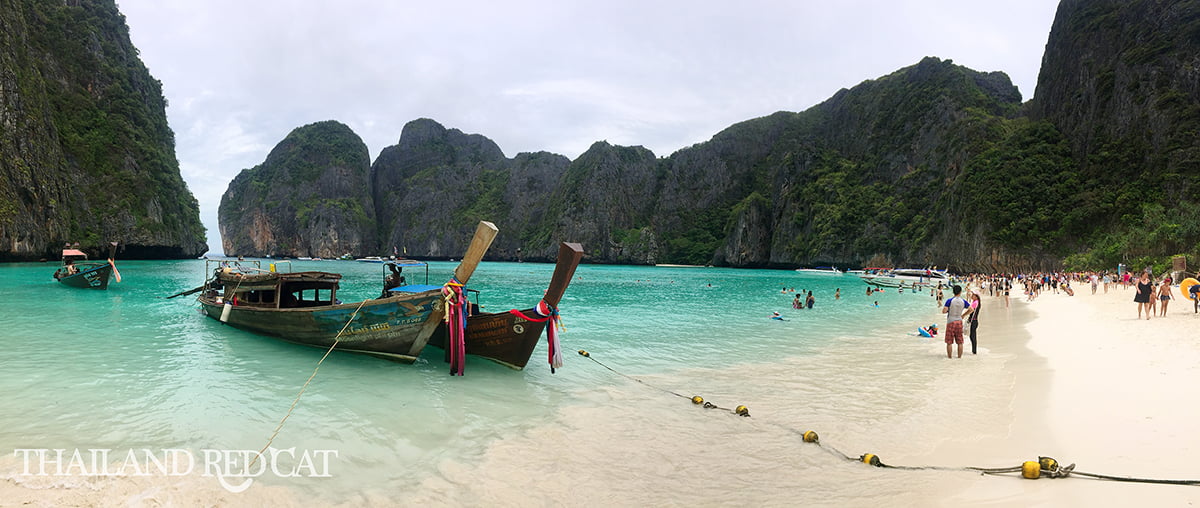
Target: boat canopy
408	262
415	288
73	253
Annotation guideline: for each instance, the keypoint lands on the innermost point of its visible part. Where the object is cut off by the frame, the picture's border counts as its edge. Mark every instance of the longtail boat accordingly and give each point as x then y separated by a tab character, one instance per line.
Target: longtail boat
509	337
302	307
76	271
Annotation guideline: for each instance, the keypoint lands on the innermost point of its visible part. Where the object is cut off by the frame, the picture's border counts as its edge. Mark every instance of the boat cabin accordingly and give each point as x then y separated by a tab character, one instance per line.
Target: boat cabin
273	290
284	290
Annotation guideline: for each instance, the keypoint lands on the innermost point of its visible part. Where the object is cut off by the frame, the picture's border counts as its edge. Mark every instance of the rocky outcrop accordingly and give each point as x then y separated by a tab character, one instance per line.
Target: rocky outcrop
310	197
1124	76
435	184
86	155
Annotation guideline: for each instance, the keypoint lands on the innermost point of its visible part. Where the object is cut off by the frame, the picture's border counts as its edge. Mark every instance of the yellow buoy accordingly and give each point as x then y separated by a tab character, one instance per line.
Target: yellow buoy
697	400
1186	285
1047	463
810	436
584	353
871	459
1031	470
742	411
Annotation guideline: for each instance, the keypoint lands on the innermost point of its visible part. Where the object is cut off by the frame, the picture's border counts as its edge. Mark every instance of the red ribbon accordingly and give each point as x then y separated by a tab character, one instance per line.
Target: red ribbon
547	313
456	324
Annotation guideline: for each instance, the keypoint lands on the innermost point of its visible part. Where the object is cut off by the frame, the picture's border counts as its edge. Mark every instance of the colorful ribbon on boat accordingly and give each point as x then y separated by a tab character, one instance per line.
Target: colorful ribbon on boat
545	312
115	272
456	325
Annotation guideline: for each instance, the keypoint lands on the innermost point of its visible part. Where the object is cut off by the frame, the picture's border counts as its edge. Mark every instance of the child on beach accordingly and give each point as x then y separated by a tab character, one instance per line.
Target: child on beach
1164	296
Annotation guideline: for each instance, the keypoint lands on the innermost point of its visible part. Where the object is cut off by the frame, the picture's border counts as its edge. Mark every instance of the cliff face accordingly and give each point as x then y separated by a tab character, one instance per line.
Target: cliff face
1121	81
85	151
310	197
433	186
1123	75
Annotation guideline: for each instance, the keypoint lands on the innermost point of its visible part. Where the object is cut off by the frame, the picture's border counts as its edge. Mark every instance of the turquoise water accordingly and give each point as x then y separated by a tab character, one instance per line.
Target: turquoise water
127	369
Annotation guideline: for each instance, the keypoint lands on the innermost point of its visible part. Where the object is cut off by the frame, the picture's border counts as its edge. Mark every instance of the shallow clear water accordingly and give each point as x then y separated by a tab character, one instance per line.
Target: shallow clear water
127	369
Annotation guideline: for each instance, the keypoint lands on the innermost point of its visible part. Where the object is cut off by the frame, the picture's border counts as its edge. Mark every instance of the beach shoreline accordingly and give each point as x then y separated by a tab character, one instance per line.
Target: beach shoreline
1095	387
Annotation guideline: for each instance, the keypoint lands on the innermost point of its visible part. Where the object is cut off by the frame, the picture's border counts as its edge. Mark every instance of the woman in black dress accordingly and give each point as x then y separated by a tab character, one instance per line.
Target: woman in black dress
1144	288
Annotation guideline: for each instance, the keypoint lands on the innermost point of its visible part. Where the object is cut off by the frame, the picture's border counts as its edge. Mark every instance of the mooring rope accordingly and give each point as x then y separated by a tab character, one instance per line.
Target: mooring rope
336	339
1043	467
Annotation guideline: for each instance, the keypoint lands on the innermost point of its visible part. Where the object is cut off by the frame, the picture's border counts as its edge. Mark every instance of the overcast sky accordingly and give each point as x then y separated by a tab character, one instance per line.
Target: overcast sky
552	75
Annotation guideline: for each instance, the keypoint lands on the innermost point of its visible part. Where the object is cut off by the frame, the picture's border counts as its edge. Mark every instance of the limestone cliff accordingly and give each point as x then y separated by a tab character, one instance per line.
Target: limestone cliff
435	184
310	197
85	151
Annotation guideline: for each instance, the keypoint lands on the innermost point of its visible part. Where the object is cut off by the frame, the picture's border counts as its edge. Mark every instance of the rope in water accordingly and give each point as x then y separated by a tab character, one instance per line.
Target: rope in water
1043	467
336	339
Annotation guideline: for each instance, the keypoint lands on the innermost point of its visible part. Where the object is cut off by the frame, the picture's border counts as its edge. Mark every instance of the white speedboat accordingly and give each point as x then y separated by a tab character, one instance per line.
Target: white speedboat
823	270
909	278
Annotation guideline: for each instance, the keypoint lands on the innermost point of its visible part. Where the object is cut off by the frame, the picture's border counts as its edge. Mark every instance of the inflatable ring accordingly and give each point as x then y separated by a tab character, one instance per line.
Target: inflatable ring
1186	286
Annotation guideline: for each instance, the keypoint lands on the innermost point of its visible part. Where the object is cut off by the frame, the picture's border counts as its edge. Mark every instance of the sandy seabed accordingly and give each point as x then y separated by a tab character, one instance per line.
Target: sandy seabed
1092	385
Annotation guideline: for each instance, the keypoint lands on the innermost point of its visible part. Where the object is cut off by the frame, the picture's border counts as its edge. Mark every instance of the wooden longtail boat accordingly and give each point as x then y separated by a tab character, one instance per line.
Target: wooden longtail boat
303	308
78	272
506	337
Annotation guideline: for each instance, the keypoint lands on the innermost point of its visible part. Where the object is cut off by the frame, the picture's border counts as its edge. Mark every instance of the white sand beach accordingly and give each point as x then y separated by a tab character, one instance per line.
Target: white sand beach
1096	387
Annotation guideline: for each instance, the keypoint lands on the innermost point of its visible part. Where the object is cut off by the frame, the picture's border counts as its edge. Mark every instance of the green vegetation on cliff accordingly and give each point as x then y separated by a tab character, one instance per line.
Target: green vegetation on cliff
89	157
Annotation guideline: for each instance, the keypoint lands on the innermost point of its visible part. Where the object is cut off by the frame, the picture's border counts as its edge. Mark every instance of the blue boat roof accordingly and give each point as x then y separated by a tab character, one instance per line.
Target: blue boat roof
415	288
406	262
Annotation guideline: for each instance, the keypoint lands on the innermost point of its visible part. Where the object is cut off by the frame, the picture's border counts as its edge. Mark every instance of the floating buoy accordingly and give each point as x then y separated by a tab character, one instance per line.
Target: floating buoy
742	411
1047	463
697	400
225	310
810	436
871	459
1031	470
584	353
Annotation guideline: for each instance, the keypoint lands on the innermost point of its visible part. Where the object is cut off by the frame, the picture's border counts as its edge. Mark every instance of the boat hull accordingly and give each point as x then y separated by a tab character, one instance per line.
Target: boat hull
503	337
509	339
89	277
396	328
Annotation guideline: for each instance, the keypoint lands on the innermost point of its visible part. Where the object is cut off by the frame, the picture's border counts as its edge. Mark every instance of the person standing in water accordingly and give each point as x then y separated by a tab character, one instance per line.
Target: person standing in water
954	309
810	300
